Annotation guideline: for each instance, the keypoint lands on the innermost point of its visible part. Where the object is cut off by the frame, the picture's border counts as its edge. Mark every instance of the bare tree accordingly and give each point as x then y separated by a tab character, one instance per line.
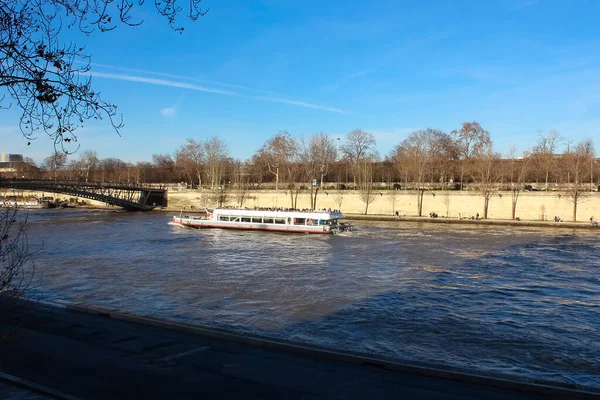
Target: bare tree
114	169
28	169
338	198
364	176
165	166
423	151
544	152
16	262
519	166
240	182
48	80
576	163
216	153
486	171
471	139
414	150
88	162
193	157
316	155
55	162
185	165
359	146
278	153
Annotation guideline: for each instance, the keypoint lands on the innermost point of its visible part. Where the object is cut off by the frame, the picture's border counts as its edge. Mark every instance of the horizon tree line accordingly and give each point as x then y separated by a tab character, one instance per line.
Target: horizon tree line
427	159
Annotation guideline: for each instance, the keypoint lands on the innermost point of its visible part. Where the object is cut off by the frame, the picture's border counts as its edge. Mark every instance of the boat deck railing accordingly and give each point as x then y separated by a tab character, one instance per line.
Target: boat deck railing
305	210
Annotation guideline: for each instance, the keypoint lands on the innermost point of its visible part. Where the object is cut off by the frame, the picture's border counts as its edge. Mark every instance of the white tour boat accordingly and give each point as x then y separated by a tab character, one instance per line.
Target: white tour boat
267	219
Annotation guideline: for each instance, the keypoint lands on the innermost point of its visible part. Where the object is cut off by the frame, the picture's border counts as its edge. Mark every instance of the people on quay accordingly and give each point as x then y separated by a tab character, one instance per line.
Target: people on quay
593	221
557	219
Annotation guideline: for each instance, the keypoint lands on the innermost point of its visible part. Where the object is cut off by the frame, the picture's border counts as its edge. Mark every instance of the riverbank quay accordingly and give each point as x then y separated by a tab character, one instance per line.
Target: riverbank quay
440	220
96	353
467	221
531	206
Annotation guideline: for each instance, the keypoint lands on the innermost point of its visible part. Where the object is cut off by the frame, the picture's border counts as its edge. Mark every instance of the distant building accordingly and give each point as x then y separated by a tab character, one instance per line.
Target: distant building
12	158
15	166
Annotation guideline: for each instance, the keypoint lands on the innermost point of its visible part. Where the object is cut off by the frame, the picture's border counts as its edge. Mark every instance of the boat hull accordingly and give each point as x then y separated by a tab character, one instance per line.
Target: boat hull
207	224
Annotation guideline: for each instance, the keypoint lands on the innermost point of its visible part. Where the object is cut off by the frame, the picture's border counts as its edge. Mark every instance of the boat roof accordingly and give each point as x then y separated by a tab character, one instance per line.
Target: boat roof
273	212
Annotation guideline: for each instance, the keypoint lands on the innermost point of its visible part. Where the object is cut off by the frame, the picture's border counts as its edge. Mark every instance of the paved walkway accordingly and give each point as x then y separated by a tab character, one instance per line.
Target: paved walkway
95	357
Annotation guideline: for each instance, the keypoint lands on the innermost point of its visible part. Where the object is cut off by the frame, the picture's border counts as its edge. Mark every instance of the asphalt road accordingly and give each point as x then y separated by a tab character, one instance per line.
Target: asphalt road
94	357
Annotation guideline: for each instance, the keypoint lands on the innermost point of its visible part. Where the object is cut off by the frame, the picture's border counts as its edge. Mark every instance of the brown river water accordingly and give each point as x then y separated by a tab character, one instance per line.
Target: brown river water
522	301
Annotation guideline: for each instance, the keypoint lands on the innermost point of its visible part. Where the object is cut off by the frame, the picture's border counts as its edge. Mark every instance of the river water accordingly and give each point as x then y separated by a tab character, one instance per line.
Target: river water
512	300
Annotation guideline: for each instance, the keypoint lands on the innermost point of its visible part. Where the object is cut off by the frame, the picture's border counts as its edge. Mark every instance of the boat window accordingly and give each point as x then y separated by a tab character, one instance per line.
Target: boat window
299	221
235	219
246	219
223	218
257	219
268	220
280	221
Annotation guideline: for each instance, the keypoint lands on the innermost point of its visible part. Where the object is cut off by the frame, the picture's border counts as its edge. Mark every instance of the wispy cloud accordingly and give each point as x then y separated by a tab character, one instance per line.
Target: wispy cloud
145	72
297	103
192	86
168	112
161	82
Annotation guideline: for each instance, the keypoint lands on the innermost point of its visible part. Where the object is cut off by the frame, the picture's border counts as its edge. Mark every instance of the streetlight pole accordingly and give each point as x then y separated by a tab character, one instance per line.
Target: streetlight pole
592	162
337	158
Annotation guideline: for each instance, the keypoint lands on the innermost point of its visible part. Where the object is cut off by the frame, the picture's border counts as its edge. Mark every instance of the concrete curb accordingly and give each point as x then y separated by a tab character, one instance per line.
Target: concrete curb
24	383
497	380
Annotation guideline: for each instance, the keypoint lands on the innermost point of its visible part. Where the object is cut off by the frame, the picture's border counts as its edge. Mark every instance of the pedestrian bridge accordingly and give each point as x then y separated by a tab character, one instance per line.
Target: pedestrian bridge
129	197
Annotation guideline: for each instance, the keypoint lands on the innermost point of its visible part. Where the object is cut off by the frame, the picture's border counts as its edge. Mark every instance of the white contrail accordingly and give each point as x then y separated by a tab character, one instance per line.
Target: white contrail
297	103
161	82
191	86
141	71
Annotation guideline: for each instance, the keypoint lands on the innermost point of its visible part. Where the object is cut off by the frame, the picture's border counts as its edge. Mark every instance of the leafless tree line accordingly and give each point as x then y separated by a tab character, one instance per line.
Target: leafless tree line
428	159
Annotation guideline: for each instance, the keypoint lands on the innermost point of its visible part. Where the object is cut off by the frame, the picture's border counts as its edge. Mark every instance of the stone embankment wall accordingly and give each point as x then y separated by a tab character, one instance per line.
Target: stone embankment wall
533	206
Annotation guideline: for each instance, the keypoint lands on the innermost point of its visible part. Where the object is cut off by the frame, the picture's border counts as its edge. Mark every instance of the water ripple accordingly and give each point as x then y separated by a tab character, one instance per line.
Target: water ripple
512	300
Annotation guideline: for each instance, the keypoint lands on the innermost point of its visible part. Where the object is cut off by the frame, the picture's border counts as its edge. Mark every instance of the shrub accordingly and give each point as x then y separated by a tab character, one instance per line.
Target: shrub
397	186
303	187
342	187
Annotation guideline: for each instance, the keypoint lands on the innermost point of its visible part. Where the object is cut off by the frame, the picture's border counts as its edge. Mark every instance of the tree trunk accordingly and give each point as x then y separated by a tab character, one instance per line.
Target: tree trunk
486	203
462	168
575	208
514	208
420	193
277	179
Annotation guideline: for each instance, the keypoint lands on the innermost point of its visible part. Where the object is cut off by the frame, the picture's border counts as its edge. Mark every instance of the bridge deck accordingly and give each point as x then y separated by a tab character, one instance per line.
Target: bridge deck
129	197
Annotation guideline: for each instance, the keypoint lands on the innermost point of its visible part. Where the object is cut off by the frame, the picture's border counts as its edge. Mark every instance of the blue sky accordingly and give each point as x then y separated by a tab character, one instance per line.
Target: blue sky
251	68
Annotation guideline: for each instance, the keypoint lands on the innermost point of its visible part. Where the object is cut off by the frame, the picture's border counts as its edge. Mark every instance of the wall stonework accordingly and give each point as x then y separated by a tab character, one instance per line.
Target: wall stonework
533	206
